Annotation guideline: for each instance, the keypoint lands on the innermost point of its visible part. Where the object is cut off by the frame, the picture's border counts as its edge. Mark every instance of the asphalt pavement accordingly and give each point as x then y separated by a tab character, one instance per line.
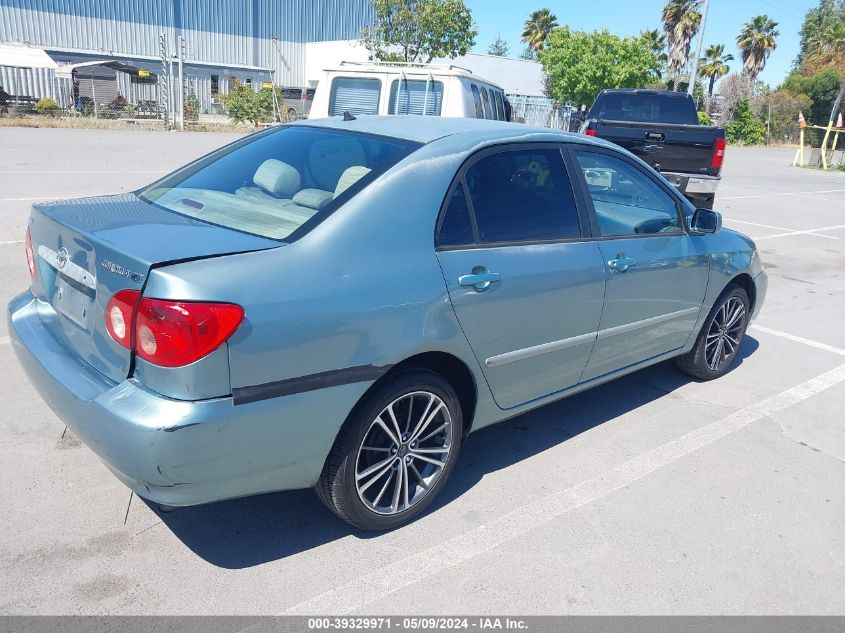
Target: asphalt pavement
654	494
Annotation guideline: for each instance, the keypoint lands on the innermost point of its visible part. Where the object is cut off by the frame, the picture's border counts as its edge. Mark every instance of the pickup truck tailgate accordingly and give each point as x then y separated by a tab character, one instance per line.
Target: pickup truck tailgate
665	146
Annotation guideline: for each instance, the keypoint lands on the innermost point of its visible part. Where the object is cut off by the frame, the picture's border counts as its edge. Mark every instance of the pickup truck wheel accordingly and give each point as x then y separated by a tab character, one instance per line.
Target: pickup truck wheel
394	452
721	335
704	203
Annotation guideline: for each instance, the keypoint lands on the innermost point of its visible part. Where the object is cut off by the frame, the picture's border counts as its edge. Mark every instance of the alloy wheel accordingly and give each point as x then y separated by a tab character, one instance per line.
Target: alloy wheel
403	453
724	334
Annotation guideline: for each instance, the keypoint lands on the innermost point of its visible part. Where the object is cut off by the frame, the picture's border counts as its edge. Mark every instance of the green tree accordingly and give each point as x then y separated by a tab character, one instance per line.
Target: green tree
681	19
756	41
781	108
579	64
499	47
537	27
822	88
420	30
656	41
714	64
823	37
745	129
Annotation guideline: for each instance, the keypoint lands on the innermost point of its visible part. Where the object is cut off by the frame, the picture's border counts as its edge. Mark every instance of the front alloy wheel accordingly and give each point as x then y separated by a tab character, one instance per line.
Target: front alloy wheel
394	452
718	342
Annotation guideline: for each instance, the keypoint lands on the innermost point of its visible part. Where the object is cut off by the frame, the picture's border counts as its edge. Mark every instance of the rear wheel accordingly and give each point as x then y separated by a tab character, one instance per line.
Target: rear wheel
394	453
704	203
721	335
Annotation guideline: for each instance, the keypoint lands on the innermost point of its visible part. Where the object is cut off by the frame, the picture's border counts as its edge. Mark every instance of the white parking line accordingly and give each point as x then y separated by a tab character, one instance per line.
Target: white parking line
11	242
814	232
382	582
798	339
792	193
44	198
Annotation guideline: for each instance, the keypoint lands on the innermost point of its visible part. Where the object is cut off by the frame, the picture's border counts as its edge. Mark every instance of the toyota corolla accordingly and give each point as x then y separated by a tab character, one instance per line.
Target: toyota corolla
337	304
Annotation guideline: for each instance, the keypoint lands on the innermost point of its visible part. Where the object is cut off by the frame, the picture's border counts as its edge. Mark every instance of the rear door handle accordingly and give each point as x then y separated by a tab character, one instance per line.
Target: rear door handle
621	263
480	278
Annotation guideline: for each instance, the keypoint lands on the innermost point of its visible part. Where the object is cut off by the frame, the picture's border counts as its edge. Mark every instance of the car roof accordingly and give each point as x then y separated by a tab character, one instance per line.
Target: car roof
425	129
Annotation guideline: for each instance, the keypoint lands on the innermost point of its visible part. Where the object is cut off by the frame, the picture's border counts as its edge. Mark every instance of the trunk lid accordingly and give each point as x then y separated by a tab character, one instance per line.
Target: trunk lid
665	146
88	249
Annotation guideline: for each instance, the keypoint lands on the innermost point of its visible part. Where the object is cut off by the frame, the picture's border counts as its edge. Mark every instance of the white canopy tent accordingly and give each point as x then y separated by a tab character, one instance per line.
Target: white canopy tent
25	57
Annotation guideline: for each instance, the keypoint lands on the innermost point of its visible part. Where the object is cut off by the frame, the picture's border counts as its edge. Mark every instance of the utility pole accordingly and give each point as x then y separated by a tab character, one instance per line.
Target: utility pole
694	74
181	52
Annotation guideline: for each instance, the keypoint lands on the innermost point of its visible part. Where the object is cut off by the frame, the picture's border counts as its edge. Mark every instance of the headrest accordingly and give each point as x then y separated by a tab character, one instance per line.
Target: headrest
329	157
313	198
277	177
349	177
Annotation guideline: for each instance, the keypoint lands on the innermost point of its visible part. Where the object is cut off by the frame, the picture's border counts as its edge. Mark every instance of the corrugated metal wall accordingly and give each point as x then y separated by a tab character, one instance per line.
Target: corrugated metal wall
258	33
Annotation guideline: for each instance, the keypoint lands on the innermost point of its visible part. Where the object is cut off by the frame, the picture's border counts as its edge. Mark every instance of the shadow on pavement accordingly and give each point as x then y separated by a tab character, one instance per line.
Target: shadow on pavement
246	532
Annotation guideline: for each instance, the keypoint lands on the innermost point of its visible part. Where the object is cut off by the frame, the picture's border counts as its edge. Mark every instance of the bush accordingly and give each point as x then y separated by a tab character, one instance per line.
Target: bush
47	107
245	104
745	129
704	119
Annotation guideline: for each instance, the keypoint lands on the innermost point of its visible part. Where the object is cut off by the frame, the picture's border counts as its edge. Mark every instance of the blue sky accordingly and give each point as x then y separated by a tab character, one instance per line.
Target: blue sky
629	17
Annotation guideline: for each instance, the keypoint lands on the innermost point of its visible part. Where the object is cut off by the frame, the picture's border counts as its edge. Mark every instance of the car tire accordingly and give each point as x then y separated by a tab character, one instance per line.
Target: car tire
720	337
400	484
704	203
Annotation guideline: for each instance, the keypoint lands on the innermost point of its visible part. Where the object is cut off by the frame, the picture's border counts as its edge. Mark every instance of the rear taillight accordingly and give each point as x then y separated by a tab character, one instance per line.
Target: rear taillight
718	154
590	133
120	312
170	333
30	256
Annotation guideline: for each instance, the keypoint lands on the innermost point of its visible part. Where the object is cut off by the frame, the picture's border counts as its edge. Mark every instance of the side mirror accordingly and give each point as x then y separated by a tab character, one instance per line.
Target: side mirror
706	221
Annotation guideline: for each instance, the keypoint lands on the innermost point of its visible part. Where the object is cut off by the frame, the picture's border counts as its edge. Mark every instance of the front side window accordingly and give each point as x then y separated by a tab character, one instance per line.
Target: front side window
415	96
522	196
272	183
476	98
356	95
626	201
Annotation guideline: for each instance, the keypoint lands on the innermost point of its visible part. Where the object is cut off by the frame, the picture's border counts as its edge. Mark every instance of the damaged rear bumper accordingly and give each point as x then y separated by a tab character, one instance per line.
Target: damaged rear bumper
177	452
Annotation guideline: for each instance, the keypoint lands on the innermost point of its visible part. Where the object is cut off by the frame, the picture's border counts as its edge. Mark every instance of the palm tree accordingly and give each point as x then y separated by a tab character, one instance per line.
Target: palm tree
537	27
756	41
714	64
656	42
681	20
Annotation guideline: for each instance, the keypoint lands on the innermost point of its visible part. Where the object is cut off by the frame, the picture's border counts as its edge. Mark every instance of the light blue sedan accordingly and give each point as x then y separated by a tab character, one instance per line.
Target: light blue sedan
339	303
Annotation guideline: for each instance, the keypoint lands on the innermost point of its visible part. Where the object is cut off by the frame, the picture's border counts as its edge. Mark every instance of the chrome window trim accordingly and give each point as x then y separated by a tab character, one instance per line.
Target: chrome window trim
590	337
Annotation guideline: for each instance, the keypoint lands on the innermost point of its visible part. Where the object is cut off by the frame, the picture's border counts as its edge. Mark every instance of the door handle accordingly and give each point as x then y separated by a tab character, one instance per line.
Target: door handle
480	278
621	263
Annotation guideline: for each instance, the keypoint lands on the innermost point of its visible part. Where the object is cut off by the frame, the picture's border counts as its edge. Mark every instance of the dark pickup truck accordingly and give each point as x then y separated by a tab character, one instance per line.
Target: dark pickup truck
661	128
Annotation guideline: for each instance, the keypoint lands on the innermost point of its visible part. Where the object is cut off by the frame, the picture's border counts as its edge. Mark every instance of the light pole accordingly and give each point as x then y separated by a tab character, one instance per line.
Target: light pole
694	74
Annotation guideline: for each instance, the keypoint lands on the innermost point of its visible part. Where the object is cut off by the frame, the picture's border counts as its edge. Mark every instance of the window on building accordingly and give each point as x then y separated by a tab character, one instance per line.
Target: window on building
522	196
627	202
215	84
354	95
415	96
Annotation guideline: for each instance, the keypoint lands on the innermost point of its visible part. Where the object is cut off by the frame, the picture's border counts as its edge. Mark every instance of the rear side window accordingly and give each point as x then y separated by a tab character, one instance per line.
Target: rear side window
485	100
415	97
626	201
272	183
476	97
522	196
354	95
500	106
456	226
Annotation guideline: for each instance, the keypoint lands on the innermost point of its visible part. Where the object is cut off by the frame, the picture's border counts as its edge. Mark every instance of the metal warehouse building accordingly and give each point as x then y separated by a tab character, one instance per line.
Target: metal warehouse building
251	41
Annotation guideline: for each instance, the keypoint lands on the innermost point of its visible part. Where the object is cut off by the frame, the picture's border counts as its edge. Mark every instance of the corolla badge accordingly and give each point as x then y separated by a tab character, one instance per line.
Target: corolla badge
120	270
62	257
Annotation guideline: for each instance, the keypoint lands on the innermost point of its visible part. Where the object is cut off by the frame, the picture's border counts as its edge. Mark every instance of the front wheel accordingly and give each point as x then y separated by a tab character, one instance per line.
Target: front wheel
721	335
394	453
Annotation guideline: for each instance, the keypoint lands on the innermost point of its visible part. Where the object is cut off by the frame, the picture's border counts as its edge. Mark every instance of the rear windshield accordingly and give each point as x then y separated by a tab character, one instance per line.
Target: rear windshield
652	108
277	182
